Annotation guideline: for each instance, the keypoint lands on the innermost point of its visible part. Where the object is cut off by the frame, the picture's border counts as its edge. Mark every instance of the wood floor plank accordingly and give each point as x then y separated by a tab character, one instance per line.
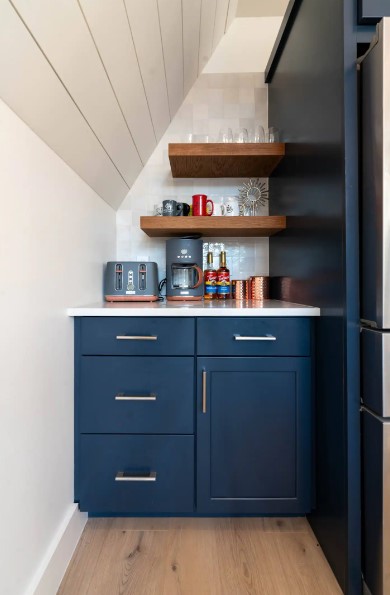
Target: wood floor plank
199	556
83	564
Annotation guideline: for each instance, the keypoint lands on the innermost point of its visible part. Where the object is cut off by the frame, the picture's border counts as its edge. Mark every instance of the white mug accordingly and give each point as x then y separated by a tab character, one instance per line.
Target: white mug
232	207
219	206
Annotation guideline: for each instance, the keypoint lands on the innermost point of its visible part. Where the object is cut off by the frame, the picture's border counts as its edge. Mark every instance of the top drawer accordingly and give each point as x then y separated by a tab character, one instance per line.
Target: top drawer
254	336
137	336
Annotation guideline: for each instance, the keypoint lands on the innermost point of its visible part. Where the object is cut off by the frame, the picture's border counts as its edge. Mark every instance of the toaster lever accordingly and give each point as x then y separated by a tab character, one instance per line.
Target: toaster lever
142	277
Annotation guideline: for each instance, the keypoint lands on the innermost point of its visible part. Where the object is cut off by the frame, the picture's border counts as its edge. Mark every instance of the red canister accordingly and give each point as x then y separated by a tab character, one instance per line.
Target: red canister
199	205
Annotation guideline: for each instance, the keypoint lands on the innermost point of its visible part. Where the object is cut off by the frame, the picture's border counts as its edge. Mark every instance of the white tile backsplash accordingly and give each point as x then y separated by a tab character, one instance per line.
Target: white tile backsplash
217	101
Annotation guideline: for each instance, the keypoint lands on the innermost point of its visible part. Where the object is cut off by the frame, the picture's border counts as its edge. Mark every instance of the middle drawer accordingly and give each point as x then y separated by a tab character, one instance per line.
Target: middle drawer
136	395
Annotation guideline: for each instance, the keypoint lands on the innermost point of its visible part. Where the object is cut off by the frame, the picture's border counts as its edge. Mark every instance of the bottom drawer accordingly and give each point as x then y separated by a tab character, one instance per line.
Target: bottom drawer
136	474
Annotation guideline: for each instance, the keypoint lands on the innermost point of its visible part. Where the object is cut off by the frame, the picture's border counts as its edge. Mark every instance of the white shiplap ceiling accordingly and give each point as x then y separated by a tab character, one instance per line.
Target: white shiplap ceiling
100	80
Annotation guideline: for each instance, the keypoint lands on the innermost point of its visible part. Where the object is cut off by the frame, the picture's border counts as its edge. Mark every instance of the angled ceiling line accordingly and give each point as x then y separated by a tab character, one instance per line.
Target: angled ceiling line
227	14
139	68
212	39
182	39
109	79
66	90
200	26
163	55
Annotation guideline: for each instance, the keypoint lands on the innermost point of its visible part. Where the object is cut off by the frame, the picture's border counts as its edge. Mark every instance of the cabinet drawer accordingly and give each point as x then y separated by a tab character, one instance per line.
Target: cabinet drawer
136	474
138	395
137	336
253	336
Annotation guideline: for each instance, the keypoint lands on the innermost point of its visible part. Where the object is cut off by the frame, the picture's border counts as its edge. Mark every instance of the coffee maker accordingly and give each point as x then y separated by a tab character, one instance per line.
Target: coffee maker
184	257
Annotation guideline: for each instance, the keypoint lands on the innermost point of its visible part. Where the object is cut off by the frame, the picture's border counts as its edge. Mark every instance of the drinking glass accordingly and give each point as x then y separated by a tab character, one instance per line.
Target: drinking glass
259	134
272	135
242	136
225	136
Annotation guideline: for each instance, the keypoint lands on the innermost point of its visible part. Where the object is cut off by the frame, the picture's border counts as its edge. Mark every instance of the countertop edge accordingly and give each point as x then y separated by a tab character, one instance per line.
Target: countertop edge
284	310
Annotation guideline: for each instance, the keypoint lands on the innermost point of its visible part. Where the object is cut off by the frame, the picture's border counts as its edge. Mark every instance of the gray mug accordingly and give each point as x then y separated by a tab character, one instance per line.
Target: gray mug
169	208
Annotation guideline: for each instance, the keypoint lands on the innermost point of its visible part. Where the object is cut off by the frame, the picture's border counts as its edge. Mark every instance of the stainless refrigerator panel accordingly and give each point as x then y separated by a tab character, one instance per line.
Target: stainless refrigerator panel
375	365
376	503
376	181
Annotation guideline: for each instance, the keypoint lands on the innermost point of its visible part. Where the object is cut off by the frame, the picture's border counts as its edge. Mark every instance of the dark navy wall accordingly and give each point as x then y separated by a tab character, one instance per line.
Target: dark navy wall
313	100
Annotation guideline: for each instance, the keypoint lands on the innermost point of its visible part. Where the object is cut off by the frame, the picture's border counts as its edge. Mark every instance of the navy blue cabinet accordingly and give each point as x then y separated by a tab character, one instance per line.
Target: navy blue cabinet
135	403
137	395
136	474
253	436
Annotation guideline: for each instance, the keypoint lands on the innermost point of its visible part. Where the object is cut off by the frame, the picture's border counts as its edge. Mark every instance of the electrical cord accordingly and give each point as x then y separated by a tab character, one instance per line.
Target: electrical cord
160	288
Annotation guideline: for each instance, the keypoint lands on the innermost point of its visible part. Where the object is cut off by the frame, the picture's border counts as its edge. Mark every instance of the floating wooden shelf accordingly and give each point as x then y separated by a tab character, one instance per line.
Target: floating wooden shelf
229	227
224	160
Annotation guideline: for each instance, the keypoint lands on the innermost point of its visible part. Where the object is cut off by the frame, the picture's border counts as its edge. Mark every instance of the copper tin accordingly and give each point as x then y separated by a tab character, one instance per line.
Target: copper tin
258	288
240	289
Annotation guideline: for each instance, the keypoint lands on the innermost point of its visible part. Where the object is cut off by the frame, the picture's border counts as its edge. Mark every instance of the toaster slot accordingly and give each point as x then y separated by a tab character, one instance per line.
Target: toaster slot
142	277
118	277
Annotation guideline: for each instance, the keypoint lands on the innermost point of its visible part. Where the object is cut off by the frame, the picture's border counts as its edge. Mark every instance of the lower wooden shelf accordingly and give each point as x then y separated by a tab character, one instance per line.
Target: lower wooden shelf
159	227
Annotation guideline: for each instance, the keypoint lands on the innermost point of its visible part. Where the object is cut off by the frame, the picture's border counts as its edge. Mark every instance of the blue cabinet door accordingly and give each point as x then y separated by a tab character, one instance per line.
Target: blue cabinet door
254	438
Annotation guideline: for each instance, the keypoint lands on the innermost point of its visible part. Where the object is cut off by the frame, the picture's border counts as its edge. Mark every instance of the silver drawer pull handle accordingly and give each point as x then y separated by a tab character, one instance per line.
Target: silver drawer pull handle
124	476
136	337
261	338
122	397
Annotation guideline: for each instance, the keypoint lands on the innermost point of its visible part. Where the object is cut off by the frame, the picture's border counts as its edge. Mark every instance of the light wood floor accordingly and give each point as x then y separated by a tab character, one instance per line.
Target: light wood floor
204	556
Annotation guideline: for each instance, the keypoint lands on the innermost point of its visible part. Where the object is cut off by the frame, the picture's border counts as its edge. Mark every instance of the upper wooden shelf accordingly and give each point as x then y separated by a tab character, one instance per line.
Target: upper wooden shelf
224	160
228	227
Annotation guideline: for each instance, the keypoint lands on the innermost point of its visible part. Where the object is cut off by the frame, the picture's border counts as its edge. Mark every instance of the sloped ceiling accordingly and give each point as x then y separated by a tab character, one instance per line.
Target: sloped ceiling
100	80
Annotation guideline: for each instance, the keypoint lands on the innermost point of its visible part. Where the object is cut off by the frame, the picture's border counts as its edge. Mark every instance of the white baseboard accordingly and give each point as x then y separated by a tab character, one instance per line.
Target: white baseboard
51	571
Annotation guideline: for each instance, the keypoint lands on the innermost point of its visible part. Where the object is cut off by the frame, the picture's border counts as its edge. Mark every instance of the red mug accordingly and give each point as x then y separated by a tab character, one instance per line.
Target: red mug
199	205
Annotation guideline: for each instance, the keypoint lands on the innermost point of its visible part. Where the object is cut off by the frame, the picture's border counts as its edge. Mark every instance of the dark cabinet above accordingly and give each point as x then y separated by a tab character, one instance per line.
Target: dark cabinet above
371	11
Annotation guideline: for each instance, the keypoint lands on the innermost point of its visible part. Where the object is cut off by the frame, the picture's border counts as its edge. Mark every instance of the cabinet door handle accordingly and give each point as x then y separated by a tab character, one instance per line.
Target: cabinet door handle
204	391
125	476
122	397
254	338
136	337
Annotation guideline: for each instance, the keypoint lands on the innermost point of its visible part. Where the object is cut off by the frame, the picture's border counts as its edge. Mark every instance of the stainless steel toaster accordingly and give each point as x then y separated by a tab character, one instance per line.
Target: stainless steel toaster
131	282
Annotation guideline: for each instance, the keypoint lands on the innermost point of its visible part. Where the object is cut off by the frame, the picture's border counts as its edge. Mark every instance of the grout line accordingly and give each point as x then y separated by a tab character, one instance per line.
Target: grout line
163	55
66	90
139	68
109	80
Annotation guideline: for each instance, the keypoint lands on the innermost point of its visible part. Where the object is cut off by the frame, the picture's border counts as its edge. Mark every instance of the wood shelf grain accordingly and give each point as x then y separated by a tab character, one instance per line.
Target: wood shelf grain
224	160
229	227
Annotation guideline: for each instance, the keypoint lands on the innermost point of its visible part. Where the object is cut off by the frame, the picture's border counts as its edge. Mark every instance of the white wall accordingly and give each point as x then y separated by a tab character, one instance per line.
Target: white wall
55	233
215	101
246	47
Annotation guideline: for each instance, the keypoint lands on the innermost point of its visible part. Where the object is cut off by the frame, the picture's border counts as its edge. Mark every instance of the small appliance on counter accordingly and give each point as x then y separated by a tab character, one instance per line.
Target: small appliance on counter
131	282
184	269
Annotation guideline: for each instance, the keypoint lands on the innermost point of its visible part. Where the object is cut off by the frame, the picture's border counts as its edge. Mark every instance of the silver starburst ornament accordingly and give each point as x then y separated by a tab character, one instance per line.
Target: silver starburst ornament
253	194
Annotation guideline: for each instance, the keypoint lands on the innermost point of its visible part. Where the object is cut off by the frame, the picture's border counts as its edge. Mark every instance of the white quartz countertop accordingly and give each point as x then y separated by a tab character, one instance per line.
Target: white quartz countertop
214	308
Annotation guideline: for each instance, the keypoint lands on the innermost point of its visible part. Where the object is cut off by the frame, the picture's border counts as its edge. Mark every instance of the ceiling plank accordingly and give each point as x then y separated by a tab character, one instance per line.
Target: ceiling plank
220	21
145	27
232	11
171	35
110	29
207	21
63	35
191	26
30	87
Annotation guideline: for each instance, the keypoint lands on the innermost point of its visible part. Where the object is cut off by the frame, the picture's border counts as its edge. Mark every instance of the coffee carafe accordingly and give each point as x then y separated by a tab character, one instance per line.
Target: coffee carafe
184	269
